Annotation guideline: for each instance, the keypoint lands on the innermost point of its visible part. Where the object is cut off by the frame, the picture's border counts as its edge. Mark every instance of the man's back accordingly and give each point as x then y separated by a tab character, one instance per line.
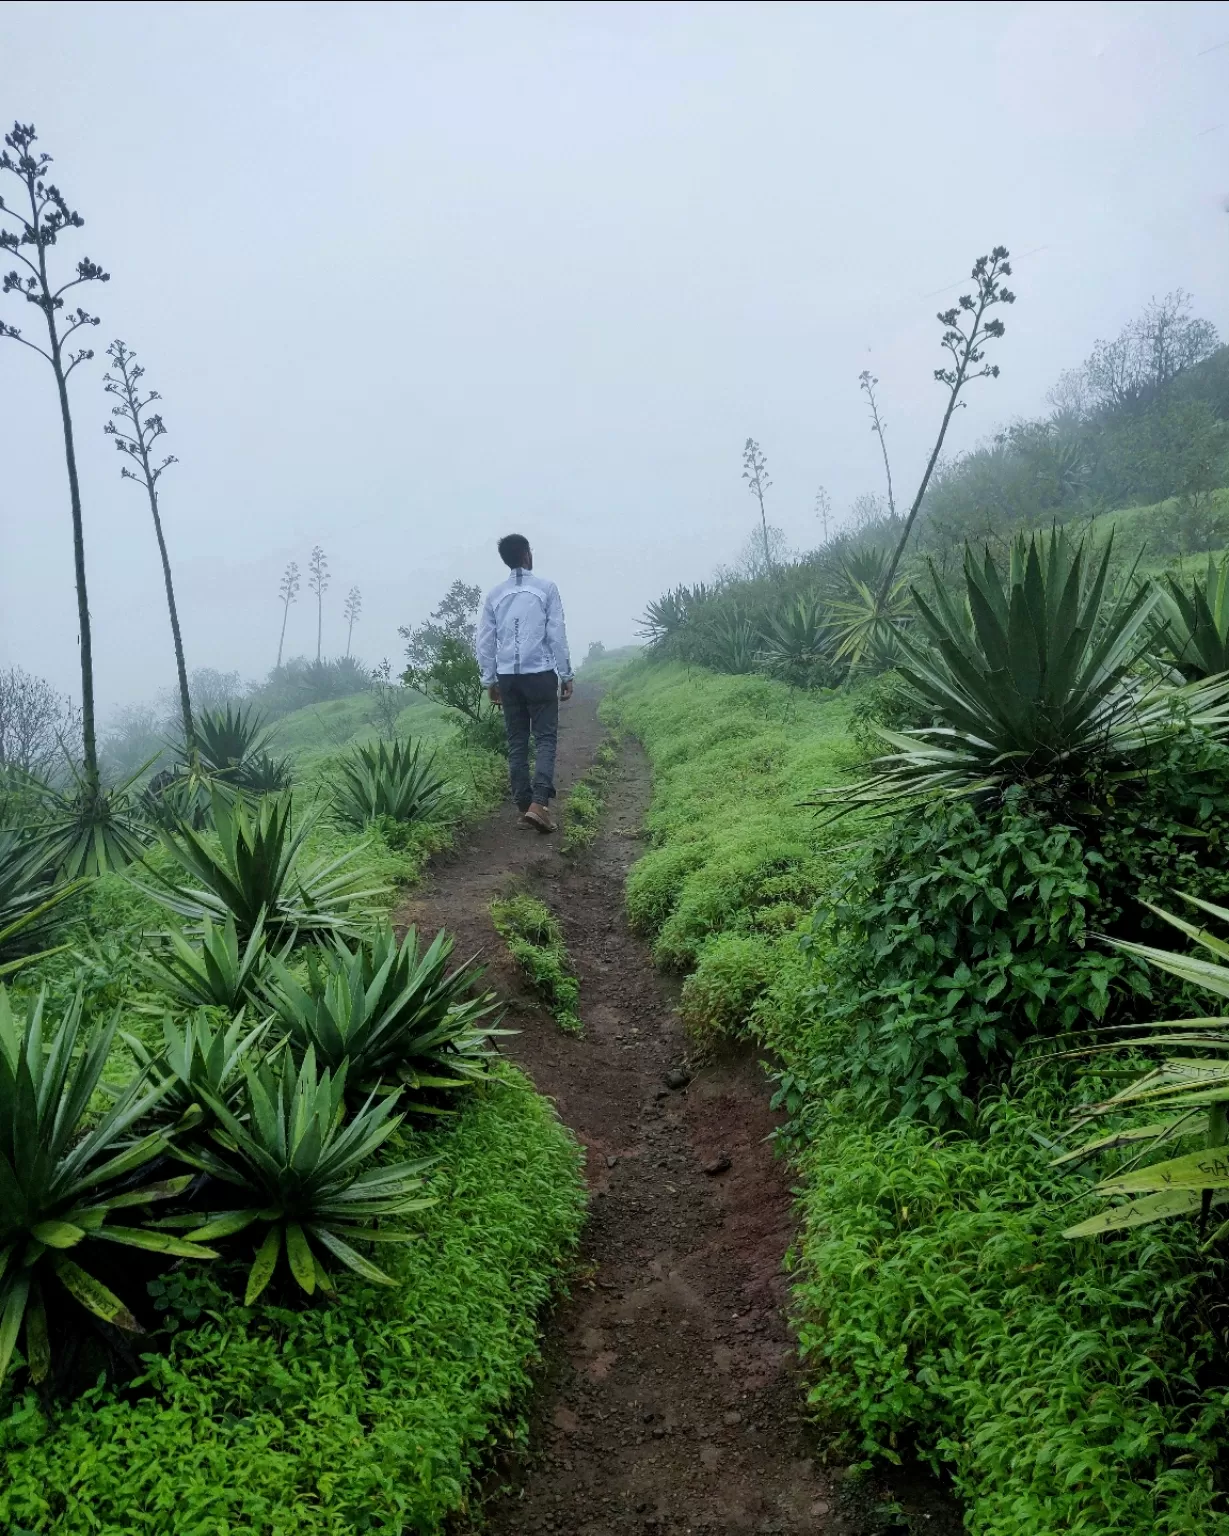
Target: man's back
521	629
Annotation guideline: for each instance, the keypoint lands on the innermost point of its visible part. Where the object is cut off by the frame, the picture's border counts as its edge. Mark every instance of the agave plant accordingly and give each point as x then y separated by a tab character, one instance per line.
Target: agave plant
1185	1098
667	618
227	740
255	866
729	643
217	973
299	1163
794	644
28	899
87	831
199	1063
398	1016
63	1174
865	626
1030	683
264	774
388	779
1194	622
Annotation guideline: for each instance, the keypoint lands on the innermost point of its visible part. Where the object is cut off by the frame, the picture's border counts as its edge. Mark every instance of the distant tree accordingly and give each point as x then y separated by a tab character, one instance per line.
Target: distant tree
35	722
318	582
211	689
28	233
755	473
595	652
1070	397
868	511
966	330
868	383
287	591
351	612
135	438
1136	369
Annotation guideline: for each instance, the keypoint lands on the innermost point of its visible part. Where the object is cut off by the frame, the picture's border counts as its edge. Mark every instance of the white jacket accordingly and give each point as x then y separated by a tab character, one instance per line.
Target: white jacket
521	629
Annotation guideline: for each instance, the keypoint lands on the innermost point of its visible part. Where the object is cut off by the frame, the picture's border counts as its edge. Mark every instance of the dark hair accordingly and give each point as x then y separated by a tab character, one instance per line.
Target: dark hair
513	548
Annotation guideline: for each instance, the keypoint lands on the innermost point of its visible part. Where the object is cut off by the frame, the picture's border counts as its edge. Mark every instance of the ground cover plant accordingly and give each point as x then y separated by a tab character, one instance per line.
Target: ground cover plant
895	969
535	941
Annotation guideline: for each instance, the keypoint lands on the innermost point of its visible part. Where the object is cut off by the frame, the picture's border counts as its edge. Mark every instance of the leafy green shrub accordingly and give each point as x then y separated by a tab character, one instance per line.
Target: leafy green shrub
732	973
939	1307
535	941
62	1176
254	870
389	780
370	1414
959	936
1168	832
396	1017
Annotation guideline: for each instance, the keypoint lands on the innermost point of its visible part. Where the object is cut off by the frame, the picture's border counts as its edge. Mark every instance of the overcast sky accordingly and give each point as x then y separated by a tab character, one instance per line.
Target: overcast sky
410	277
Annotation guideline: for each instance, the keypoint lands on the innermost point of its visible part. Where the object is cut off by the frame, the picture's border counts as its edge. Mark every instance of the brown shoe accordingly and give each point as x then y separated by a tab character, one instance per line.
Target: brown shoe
538	816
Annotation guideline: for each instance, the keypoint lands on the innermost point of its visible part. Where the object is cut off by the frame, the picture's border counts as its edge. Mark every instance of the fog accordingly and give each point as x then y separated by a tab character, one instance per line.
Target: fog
408	278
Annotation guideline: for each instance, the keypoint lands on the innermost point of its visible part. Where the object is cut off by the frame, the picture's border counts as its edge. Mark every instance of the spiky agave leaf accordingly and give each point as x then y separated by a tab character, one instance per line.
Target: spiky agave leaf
62	1173
255	865
228	739
29	898
1029	683
1185	1096
291	1150
217	972
199	1061
1193	621
90	831
390	779
396	1014
795	644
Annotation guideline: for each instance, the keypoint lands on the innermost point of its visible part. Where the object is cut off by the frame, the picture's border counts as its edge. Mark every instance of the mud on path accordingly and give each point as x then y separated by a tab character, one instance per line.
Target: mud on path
669	1402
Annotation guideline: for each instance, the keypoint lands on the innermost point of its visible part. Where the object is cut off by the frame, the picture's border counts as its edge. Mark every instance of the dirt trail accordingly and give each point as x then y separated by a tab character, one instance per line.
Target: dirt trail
669	1403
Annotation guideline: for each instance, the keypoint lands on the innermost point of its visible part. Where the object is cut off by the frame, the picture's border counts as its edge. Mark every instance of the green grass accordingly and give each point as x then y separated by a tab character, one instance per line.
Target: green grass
1065	1387
582	812
535	941
369	1415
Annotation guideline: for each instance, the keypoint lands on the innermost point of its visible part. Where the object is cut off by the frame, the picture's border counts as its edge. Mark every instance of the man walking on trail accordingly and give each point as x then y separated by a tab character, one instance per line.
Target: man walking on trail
523	657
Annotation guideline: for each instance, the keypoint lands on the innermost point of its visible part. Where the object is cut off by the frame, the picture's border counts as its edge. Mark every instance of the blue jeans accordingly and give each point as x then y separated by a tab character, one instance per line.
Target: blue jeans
531	707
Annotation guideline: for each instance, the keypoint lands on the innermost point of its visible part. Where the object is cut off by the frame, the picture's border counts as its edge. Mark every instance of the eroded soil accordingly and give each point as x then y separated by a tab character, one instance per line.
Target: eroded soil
669	1402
